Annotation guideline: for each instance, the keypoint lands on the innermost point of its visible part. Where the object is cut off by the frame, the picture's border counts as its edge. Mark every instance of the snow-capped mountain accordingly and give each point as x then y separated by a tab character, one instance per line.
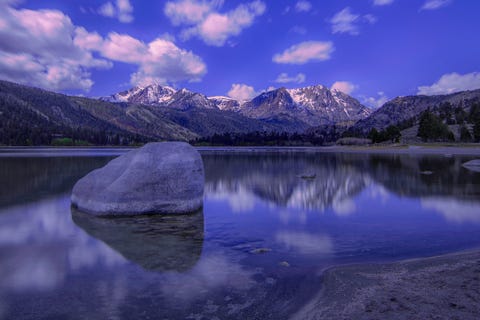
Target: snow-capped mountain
151	94
312	106
184	99
225	103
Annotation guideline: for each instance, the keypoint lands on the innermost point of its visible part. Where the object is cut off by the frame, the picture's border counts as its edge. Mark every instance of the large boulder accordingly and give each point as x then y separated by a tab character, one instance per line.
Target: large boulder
165	178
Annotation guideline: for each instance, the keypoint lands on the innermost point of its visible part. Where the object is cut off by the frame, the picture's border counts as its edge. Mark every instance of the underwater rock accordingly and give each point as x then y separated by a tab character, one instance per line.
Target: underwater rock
154	242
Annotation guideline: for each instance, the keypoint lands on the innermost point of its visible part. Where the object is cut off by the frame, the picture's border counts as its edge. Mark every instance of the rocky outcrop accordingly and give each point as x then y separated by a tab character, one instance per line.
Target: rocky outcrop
165	178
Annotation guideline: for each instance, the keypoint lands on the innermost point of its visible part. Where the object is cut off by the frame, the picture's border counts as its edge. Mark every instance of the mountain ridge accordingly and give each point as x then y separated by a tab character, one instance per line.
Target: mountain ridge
313	105
36	116
404	108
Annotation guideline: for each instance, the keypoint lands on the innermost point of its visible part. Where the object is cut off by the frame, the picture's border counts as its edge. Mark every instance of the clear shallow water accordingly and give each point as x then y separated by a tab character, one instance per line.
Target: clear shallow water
55	263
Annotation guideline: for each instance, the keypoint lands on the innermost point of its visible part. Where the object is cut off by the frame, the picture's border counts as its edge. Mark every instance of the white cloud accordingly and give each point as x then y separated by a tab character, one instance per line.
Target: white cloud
121	47
189	11
435	4
344	86
107	10
304	52
299	30
452	82
382	2
370	18
43	48
121	10
241	92
159	61
303	6
203	20
345	22
38	48
285	78
376	102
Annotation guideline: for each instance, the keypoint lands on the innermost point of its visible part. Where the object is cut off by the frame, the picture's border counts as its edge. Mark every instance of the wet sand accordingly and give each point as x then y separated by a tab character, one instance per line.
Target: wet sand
442	287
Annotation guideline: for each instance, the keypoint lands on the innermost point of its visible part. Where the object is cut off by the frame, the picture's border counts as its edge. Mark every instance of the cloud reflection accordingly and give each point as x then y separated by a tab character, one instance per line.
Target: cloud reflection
454	210
305	243
212	272
39	244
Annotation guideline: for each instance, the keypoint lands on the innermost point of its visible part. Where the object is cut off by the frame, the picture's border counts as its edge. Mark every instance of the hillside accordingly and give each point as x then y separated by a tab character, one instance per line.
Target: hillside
403	109
31	116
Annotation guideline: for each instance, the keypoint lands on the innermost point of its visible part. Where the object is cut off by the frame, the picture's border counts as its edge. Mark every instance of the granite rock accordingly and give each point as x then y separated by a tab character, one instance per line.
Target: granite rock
164	178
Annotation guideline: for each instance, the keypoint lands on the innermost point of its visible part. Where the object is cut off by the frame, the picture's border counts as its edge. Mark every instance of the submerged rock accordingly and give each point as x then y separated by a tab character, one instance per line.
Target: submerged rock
260	250
154	242
166	177
473	165
426	172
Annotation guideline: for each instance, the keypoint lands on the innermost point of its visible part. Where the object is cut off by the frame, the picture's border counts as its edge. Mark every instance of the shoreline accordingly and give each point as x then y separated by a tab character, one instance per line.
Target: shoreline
402	149
438	287
429	149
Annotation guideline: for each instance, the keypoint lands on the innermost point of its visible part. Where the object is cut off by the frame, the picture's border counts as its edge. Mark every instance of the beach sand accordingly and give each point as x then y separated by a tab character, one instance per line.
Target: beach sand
442	287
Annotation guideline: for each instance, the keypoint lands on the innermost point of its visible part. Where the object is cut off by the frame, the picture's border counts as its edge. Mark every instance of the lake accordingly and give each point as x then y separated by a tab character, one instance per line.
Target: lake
272	222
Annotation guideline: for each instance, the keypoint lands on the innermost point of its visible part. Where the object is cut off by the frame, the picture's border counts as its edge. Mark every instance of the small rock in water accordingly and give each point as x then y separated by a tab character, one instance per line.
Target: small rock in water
261	250
472	165
284	264
165	177
308	176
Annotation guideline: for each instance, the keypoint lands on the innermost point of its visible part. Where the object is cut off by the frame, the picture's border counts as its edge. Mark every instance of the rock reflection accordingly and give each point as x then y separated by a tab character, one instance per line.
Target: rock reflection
156	243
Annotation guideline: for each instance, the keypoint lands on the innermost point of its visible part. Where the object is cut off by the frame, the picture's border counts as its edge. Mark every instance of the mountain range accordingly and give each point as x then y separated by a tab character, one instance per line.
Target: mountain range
309	106
35	116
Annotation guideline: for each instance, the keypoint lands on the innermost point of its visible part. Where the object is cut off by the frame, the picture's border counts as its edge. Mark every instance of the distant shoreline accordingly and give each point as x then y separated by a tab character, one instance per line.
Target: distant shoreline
446	150
440	287
400	149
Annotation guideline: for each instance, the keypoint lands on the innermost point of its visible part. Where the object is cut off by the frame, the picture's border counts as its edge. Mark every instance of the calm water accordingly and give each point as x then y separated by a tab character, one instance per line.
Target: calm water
58	264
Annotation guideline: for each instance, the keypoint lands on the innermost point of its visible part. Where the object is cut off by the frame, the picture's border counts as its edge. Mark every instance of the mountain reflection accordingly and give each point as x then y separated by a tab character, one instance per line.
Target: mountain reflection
156	243
275	178
416	176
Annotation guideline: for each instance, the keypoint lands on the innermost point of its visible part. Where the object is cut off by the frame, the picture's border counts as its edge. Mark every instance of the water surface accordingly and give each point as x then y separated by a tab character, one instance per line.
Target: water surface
255	251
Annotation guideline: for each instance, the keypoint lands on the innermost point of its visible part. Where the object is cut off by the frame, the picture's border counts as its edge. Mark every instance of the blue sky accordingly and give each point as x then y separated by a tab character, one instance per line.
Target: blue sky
372	49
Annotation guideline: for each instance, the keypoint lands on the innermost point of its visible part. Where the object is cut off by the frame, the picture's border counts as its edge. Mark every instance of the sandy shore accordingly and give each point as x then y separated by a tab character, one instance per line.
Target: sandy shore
443	287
